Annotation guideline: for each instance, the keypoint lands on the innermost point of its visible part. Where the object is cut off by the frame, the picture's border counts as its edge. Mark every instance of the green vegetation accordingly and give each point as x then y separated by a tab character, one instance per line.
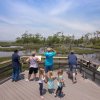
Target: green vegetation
90	40
59	38
62	43
5	74
8	44
3	65
4	58
65	51
5	44
32	46
84	51
11	49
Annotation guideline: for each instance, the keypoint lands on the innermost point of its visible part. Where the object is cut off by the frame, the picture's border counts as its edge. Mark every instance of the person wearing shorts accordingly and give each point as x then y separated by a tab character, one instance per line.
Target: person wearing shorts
33	67
73	68
33	70
72	60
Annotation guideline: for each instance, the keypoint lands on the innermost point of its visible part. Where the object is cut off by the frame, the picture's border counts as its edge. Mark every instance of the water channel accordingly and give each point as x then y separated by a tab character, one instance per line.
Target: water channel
92	57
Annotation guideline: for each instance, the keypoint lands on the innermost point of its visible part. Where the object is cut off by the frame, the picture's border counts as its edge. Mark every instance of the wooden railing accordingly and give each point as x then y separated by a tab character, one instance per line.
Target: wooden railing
88	65
7	66
60	62
57	60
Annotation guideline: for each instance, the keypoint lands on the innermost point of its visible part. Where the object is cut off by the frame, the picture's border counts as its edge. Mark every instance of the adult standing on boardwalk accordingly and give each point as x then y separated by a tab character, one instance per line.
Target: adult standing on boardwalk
16	66
72	60
49	54
33	67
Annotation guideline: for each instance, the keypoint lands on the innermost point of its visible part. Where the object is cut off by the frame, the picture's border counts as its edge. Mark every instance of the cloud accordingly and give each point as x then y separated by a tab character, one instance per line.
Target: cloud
61	7
23	16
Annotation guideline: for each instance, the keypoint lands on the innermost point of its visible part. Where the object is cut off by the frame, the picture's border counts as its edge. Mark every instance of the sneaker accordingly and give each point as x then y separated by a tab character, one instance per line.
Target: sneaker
42	97
13	80
74	82
55	95
27	80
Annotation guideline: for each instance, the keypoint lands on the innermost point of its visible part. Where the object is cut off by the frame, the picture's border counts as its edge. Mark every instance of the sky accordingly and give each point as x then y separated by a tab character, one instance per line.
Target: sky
47	17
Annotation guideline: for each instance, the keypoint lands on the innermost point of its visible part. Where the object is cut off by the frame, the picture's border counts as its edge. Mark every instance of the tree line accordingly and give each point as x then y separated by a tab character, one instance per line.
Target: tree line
60	38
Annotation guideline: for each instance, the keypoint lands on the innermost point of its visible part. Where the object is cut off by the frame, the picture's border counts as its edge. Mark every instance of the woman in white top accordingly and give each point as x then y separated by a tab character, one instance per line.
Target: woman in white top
33	67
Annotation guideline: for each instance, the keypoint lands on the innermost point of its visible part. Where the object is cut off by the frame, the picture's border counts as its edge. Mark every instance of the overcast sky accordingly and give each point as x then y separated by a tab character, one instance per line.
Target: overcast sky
48	16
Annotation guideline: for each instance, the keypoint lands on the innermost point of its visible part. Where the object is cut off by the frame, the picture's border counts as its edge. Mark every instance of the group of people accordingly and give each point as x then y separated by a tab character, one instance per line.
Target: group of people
45	73
48	78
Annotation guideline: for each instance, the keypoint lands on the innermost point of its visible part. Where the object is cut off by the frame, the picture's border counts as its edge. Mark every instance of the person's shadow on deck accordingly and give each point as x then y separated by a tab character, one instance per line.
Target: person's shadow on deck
69	75
22	76
35	79
44	91
61	96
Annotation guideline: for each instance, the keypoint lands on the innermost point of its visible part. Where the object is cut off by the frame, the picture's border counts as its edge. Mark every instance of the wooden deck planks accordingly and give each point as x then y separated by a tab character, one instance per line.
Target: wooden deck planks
22	90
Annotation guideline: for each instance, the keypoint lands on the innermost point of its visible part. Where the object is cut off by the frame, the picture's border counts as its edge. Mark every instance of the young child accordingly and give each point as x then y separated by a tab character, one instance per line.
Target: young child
60	83
61	75
41	80
50	82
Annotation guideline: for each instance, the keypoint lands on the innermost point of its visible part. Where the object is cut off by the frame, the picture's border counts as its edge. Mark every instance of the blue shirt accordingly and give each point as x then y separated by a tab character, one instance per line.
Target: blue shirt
72	59
49	58
15	60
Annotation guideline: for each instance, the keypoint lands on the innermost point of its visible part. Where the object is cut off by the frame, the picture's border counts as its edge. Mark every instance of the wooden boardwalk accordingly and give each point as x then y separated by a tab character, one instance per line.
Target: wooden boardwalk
22	90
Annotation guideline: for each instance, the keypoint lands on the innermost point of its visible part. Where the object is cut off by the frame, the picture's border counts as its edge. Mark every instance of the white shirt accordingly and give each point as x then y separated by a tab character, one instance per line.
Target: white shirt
33	62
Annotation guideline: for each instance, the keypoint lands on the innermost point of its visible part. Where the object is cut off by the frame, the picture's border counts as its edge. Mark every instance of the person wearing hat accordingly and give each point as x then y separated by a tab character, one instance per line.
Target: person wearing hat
72	61
49	54
33	67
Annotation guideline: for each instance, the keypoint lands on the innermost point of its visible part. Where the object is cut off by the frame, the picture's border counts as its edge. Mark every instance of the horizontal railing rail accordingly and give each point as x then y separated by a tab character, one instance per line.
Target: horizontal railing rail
89	65
59	61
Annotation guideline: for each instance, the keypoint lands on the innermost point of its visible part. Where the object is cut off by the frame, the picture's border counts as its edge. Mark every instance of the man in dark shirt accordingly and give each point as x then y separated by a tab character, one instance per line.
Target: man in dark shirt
72	60
15	66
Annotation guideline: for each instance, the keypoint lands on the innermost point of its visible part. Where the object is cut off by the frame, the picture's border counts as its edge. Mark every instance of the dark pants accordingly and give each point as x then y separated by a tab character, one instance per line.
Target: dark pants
41	88
48	68
59	90
15	73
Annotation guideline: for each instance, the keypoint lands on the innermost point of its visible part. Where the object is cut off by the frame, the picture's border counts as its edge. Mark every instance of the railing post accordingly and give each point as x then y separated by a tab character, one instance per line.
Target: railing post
59	62
84	71
88	64
80	66
93	76
94	71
